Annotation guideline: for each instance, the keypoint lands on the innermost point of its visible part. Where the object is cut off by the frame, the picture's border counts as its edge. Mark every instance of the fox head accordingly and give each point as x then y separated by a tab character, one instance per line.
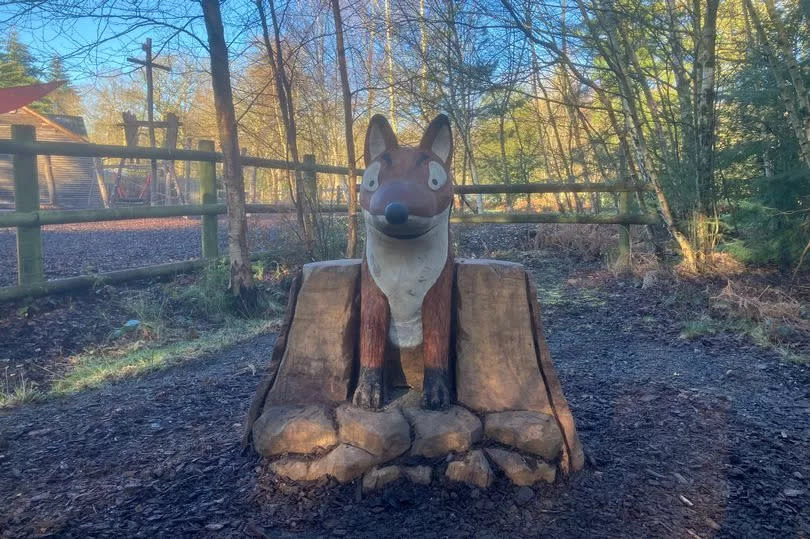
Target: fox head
406	191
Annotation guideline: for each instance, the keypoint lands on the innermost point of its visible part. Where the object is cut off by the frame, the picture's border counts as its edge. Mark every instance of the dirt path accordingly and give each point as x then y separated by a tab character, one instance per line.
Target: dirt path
685	438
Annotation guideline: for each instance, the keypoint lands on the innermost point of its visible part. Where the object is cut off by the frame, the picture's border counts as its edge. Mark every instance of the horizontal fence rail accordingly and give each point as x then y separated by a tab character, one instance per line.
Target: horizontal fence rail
28	218
525	188
65	217
75	149
67	284
562	218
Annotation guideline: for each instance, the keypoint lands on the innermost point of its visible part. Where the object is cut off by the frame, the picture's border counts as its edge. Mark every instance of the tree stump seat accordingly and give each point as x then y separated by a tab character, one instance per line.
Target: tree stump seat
508	405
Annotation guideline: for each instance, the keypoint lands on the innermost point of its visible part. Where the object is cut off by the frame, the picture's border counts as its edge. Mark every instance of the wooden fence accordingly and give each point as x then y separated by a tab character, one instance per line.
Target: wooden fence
28	218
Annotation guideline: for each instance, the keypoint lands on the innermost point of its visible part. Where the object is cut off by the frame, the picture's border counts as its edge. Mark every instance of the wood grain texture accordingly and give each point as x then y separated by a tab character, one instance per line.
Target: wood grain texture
496	363
573	455
436	318
318	362
375	318
257	404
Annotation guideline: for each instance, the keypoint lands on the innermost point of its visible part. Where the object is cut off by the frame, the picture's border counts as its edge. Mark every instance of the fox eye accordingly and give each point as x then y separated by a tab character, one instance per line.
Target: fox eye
371	177
437	176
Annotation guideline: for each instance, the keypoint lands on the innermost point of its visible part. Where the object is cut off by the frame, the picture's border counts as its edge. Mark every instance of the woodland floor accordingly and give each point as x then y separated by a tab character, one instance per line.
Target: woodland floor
685	438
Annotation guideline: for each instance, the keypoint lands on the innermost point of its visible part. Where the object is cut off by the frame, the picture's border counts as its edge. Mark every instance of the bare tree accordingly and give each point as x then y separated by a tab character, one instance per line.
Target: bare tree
351	246
275	58
241	275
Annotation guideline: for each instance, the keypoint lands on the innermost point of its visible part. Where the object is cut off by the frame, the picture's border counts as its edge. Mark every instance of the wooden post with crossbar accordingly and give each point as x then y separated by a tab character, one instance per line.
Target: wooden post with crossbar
150	106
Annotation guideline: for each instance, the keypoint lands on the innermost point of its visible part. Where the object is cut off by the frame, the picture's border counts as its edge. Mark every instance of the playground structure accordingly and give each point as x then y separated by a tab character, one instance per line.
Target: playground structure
144	190
129	191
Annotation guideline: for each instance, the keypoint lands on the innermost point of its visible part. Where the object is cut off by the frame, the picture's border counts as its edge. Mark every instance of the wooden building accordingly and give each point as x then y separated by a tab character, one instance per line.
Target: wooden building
65	182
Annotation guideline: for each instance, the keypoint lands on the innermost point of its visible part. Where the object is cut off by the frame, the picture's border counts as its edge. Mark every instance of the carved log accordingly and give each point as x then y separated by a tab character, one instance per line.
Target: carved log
502	365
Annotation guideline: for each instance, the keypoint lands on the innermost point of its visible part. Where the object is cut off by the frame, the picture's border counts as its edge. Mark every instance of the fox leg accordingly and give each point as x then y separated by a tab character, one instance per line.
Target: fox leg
374	320
436	313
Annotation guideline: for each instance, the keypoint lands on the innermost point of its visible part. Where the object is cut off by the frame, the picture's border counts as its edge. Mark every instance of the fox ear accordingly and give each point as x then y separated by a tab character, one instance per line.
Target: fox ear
438	139
379	138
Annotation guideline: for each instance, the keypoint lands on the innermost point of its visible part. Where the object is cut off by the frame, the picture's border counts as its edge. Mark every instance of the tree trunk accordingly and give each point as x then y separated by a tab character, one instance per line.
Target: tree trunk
561	153
541	138
479	199
186	171
351	245
790	62
389	52
241	276
102	185
705	136
507	178
579	150
682	88
370	66
423	46
284	92
50	182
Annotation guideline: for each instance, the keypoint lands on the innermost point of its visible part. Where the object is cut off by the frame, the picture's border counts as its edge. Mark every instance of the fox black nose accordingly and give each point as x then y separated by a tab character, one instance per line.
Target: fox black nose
396	213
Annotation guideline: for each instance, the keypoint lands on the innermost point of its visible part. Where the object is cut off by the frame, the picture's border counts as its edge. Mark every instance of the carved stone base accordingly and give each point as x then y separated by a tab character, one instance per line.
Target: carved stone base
510	411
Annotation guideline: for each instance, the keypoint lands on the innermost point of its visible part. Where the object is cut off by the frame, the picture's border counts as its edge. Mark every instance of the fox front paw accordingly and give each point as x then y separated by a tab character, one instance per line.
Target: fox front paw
436	389
369	389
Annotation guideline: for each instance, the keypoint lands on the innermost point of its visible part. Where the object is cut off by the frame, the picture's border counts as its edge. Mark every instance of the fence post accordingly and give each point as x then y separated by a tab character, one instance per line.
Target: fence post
309	176
26	199
623	258
208	195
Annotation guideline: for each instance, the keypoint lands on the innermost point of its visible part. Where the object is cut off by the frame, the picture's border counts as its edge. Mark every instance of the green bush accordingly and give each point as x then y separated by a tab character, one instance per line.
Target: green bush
773	228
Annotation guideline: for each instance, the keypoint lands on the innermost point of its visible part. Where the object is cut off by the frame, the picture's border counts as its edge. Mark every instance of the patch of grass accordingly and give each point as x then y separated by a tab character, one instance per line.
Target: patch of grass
17	394
152	316
701	327
208	296
99	367
767	334
792	357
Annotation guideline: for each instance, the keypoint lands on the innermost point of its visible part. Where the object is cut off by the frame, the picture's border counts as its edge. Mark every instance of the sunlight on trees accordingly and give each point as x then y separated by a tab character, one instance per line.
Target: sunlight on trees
706	102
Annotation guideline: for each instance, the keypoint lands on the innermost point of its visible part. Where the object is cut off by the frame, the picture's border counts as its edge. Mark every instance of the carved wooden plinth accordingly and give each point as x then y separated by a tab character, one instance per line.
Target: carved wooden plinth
510	413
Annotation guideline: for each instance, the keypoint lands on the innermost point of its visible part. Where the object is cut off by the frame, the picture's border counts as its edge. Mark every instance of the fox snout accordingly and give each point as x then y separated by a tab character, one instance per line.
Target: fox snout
400	199
396	213
402	209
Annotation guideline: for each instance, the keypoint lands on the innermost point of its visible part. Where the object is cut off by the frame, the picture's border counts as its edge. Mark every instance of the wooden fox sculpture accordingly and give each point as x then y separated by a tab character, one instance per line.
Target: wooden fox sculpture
407	273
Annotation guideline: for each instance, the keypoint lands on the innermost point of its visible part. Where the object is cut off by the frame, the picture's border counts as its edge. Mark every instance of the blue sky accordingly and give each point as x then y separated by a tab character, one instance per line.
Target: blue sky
97	44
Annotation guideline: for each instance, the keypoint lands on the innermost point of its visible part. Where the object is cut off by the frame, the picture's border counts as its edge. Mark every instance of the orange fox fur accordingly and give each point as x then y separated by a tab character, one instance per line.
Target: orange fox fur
407	273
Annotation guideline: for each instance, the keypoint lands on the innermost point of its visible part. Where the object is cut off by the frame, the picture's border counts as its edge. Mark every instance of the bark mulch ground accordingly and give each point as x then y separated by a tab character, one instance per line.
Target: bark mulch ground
38	336
85	248
684	439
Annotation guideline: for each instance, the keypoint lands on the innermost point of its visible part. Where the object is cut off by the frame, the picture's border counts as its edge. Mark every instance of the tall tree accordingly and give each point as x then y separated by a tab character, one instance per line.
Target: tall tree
65	99
275	57
706	62
241	274
348	121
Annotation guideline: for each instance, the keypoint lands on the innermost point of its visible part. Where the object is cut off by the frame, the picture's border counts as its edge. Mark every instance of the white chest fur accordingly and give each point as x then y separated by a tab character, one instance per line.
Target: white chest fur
405	269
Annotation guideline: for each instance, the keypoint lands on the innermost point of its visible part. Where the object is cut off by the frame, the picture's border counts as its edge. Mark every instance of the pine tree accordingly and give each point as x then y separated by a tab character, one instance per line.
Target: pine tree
16	63
18	68
65	99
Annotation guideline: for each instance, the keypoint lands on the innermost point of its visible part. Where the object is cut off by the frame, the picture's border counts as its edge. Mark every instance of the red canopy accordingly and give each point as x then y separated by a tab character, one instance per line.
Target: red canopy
19	96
